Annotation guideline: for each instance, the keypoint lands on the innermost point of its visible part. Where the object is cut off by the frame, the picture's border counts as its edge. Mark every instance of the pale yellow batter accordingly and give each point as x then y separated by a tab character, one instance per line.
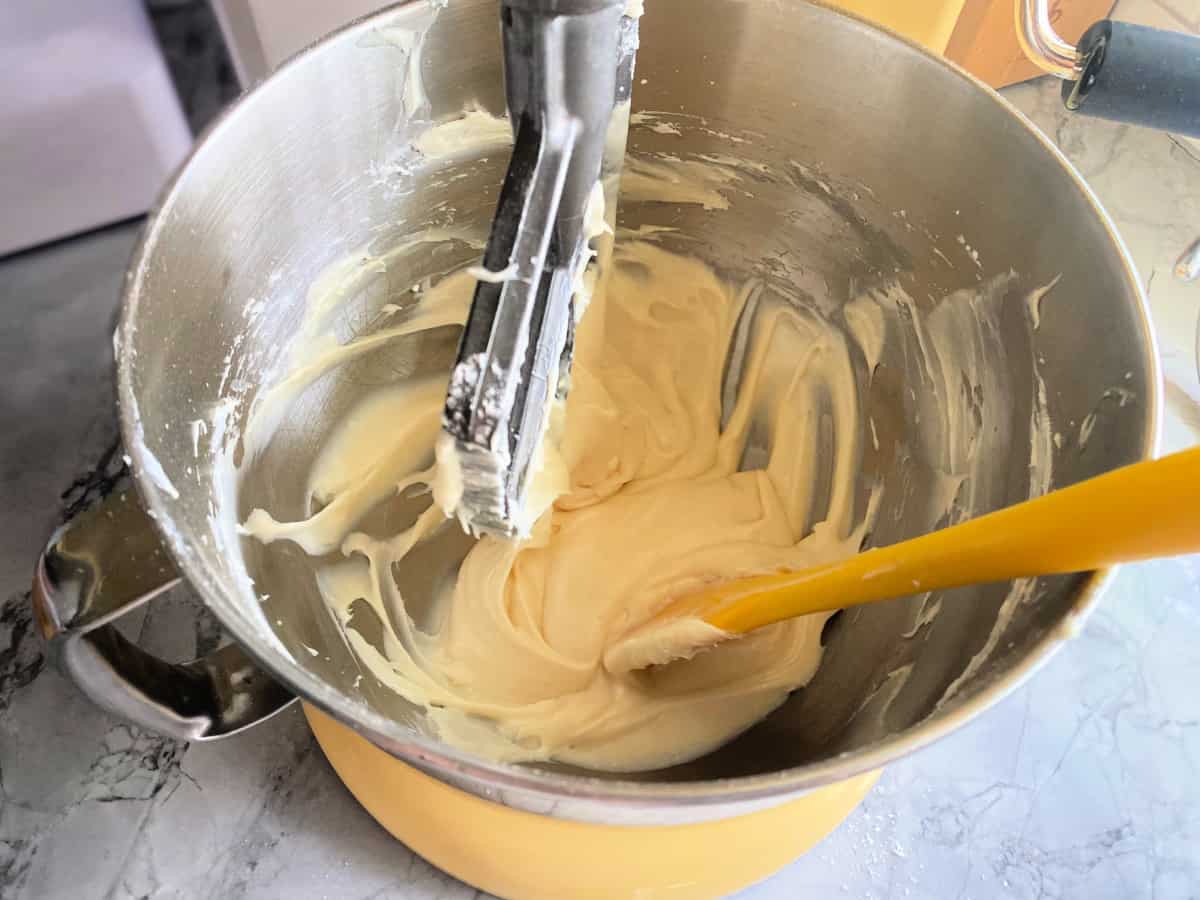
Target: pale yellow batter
657	496
658	476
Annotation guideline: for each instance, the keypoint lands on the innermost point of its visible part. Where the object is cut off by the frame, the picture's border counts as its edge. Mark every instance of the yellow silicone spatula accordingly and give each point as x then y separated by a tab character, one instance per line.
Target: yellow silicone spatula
1145	510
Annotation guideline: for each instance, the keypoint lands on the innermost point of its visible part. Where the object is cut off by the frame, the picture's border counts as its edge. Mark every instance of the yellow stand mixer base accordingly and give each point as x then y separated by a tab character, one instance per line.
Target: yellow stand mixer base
522	856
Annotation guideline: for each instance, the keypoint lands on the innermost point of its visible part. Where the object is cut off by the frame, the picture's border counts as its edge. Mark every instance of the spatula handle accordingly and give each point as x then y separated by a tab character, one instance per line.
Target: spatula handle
1141	511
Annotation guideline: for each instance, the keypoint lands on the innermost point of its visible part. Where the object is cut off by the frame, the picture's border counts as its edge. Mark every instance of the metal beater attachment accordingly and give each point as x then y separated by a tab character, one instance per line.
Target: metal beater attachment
568	66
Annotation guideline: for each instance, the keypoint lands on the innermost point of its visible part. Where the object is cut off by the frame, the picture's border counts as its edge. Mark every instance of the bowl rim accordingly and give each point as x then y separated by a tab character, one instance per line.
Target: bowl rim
522	785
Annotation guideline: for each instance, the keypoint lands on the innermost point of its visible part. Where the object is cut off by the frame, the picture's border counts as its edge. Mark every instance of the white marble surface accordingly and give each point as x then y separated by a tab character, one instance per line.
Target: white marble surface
1086	783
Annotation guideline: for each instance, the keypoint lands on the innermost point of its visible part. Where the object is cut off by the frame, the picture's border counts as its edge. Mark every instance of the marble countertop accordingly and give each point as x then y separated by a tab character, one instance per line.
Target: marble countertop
1085	783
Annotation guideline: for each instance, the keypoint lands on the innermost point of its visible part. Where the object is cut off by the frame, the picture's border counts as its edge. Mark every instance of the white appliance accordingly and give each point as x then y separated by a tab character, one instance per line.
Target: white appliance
90	124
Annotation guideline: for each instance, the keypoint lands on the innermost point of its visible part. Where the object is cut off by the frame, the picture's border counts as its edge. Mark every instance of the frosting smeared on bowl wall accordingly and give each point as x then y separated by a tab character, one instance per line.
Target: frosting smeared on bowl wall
717	426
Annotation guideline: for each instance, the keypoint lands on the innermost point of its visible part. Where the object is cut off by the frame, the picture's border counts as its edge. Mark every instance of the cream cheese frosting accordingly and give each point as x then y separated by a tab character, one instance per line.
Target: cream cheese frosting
659	477
657	497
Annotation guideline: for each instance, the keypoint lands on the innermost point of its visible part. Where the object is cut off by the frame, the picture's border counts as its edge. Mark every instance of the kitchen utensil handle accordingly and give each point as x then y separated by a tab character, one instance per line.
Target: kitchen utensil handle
1118	71
1142	511
1143	76
101	565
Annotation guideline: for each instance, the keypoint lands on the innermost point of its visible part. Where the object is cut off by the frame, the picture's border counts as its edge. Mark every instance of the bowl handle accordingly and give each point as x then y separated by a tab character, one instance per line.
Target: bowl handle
103	563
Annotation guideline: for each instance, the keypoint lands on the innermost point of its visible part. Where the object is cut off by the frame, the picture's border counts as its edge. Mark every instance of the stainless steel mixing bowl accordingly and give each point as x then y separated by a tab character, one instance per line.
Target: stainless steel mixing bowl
871	158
